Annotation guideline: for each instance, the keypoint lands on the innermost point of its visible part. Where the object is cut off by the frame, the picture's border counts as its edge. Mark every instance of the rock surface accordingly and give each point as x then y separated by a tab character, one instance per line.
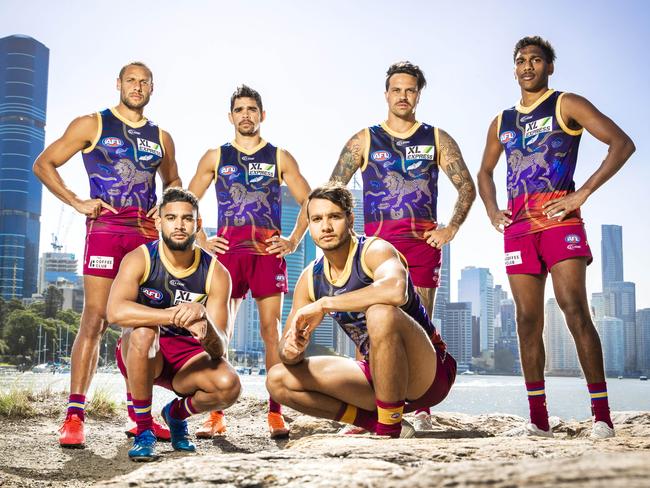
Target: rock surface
462	450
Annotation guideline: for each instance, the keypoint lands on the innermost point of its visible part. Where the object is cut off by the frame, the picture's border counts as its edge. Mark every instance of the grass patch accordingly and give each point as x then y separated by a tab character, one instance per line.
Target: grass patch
102	406
15	404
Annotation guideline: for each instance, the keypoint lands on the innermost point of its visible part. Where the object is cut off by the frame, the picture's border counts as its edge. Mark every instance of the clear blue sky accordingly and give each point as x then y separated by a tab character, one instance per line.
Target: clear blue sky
320	69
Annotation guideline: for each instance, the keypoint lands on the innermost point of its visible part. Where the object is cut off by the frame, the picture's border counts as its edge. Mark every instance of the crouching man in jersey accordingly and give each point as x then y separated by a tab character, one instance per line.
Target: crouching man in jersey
364	284
172	299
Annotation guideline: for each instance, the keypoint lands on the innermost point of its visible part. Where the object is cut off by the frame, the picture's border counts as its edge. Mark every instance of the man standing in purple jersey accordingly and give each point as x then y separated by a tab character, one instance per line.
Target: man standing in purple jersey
247	175
542	227
122	152
400	160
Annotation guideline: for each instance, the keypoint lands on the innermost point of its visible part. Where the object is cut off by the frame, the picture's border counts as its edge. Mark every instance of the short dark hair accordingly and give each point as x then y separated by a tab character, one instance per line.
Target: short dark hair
177	194
336	193
408	68
244	91
543	44
136	63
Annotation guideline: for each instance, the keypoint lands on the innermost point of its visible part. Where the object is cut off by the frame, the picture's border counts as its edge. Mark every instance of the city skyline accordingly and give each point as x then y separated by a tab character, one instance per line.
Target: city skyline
314	99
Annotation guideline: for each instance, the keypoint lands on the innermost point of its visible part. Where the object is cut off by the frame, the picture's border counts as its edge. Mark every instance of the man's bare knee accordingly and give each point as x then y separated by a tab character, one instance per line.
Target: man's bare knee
228	388
275	379
381	320
140	340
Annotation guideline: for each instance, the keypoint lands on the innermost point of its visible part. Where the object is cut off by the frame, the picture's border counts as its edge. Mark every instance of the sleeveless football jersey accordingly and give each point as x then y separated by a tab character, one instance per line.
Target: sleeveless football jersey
248	196
357	275
541	152
164	286
121	165
400	182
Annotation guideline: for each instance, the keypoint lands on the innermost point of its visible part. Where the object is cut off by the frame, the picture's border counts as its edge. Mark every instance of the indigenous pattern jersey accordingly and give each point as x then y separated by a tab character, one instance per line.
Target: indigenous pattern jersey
400	182
541	152
164	286
121	166
248	196
357	275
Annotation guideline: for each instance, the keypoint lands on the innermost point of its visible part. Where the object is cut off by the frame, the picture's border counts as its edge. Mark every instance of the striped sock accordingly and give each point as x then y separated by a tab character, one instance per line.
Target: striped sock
129	406
349	414
143	418
426	410
77	405
182	408
537	404
600	403
389	418
274	407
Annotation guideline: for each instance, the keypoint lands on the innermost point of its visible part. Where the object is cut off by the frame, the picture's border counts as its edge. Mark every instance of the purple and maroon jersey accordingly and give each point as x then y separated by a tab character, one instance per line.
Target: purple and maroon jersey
400	182
541	152
355	276
121	165
248	196
163	285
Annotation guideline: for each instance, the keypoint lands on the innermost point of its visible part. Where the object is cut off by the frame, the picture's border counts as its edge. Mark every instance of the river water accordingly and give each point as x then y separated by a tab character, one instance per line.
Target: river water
566	397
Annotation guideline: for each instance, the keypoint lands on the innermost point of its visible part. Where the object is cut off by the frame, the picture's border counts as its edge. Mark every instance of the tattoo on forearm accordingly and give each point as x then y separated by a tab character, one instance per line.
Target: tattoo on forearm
349	161
454	166
212	343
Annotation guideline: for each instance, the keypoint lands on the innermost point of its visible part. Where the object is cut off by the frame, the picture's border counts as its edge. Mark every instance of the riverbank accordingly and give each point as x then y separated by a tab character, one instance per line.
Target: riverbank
462	450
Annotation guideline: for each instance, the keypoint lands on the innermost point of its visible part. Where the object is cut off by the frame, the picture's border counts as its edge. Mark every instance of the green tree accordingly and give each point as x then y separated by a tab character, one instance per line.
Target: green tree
21	333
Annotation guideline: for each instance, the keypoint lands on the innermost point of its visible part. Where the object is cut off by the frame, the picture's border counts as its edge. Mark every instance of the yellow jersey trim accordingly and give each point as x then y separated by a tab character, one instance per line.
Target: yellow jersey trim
560	120
94	142
526	110
208	278
177	272
347	270
147	264
364	266
366	149
401	135
436	142
134	125
249	152
278	152
499	118
162	143
217	164
310	282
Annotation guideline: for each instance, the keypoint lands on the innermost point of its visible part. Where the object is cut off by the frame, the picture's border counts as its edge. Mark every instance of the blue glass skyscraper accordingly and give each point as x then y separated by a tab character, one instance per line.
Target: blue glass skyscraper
23	98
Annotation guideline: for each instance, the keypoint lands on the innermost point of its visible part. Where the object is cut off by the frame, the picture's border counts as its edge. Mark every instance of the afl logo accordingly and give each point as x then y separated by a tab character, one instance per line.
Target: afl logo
507	137
152	294
112	142
380	156
279	277
572	239
228	170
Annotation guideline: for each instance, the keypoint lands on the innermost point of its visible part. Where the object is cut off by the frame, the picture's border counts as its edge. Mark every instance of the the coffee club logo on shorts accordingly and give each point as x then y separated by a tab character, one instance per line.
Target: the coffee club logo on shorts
420	152
147	146
261	169
100	262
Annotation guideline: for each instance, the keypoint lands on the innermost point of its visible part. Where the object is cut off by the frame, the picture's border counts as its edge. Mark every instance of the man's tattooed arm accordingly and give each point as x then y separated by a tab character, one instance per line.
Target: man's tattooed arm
452	163
351	158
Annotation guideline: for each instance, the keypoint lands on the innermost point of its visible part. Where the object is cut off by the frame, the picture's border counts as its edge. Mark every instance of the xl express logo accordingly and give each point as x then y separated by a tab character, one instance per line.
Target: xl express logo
537	127
420	152
261	169
150	147
183	296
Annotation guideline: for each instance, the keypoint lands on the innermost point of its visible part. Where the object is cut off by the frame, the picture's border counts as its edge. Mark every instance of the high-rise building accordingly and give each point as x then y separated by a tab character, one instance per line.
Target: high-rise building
612	338
643	340
456	331
602	305
476	286
561	356
611	247
623	296
57	266
24	66
443	294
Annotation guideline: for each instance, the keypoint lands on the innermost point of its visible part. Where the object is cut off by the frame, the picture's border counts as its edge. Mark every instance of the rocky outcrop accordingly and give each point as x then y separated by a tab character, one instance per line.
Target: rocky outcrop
462	450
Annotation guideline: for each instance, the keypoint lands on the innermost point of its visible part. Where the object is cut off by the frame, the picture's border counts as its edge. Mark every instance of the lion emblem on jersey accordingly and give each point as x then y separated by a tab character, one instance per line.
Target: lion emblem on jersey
130	176
241	199
398	188
518	163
